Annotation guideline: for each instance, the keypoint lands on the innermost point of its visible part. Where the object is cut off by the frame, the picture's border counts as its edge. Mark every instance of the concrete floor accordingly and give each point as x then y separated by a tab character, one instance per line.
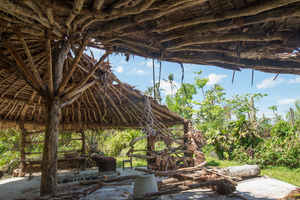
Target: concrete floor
256	188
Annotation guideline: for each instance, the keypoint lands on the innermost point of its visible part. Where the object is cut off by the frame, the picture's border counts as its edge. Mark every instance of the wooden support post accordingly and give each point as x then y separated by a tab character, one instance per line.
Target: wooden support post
23	165
83	151
186	140
53	113
150	149
49	161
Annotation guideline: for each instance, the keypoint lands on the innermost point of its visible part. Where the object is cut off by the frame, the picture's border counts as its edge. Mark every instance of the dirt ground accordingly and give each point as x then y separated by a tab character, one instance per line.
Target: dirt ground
255	188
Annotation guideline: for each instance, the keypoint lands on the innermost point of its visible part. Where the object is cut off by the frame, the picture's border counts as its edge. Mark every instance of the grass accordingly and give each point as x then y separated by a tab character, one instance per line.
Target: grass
285	174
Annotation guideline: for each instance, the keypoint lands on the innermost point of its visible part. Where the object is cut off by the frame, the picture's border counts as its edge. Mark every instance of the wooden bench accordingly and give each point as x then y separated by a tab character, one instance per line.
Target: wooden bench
78	161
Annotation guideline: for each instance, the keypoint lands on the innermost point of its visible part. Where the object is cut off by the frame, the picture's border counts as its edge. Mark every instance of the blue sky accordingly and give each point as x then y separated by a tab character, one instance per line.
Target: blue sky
283	92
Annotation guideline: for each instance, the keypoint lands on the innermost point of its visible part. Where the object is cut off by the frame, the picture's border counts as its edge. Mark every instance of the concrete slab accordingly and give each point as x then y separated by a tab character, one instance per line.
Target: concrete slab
263	188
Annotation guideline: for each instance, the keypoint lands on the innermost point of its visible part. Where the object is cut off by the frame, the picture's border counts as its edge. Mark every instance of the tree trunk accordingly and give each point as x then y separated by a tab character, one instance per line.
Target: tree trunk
49	162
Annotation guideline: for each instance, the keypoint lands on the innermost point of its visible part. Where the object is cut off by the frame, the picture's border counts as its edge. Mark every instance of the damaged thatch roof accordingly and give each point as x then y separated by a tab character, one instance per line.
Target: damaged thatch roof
109	103
233	34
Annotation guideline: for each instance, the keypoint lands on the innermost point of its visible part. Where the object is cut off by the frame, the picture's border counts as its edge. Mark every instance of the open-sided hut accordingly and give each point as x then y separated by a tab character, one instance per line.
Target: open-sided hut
37	37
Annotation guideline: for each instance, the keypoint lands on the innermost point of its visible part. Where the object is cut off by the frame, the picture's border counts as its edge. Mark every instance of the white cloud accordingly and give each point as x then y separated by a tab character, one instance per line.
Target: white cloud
296	80
149	63
138	71
142	63
268	82
119	69
286	101
167	87
215	78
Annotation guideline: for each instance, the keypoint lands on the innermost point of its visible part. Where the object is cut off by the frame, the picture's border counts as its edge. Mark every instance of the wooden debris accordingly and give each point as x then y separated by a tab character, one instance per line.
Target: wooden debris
169	159
92	189
116	179
223	186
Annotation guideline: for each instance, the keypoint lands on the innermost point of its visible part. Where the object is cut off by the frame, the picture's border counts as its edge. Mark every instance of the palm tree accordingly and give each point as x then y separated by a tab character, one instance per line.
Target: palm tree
158	92
149	91
170	80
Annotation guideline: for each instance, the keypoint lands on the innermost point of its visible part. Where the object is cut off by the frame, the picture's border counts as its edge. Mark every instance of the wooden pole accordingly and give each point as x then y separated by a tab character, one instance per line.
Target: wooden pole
186	140
23	145
49	161
53	111
150	149
154	79
83	142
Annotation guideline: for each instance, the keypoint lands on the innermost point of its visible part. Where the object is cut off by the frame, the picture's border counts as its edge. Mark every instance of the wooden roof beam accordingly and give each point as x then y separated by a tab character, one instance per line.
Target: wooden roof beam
24	70
253	10
32	65
117	109
77	6
97	5
74	63
243	62
224	38
228	24
142	6
87	77
167	7
49	66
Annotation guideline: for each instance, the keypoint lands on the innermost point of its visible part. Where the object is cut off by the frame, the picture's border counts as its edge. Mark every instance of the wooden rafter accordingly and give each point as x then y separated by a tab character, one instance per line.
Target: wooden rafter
77	87
74	63
23	67
32	65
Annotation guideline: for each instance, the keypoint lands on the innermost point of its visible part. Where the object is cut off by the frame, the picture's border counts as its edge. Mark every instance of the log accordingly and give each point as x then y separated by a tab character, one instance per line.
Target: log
167	181
224	176
121	178
241	171
182	170
92	189
223	186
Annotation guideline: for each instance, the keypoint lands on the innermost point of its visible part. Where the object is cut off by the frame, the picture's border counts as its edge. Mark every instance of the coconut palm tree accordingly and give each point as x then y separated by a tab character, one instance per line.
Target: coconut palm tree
170	80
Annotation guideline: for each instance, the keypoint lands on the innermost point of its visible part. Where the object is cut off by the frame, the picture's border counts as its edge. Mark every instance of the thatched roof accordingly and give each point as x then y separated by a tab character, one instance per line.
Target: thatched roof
113	105
232	34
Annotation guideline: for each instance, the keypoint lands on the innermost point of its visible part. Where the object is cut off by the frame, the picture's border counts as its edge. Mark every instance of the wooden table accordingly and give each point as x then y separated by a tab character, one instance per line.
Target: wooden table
68	161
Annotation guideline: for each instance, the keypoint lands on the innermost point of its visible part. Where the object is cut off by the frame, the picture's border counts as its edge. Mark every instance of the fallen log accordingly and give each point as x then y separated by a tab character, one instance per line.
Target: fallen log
92	189
223	175
97	181
167	181
224	186
117	184
182	170
241	171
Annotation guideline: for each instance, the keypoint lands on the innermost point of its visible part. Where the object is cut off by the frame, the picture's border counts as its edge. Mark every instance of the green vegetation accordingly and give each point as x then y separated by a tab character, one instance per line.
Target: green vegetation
233	128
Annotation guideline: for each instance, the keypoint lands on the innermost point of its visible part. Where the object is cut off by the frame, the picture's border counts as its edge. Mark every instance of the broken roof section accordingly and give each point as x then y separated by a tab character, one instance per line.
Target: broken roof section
232	34
108	103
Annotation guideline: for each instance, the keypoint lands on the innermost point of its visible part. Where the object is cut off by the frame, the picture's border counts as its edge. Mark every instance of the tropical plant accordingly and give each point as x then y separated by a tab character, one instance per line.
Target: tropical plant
181	101
170	80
